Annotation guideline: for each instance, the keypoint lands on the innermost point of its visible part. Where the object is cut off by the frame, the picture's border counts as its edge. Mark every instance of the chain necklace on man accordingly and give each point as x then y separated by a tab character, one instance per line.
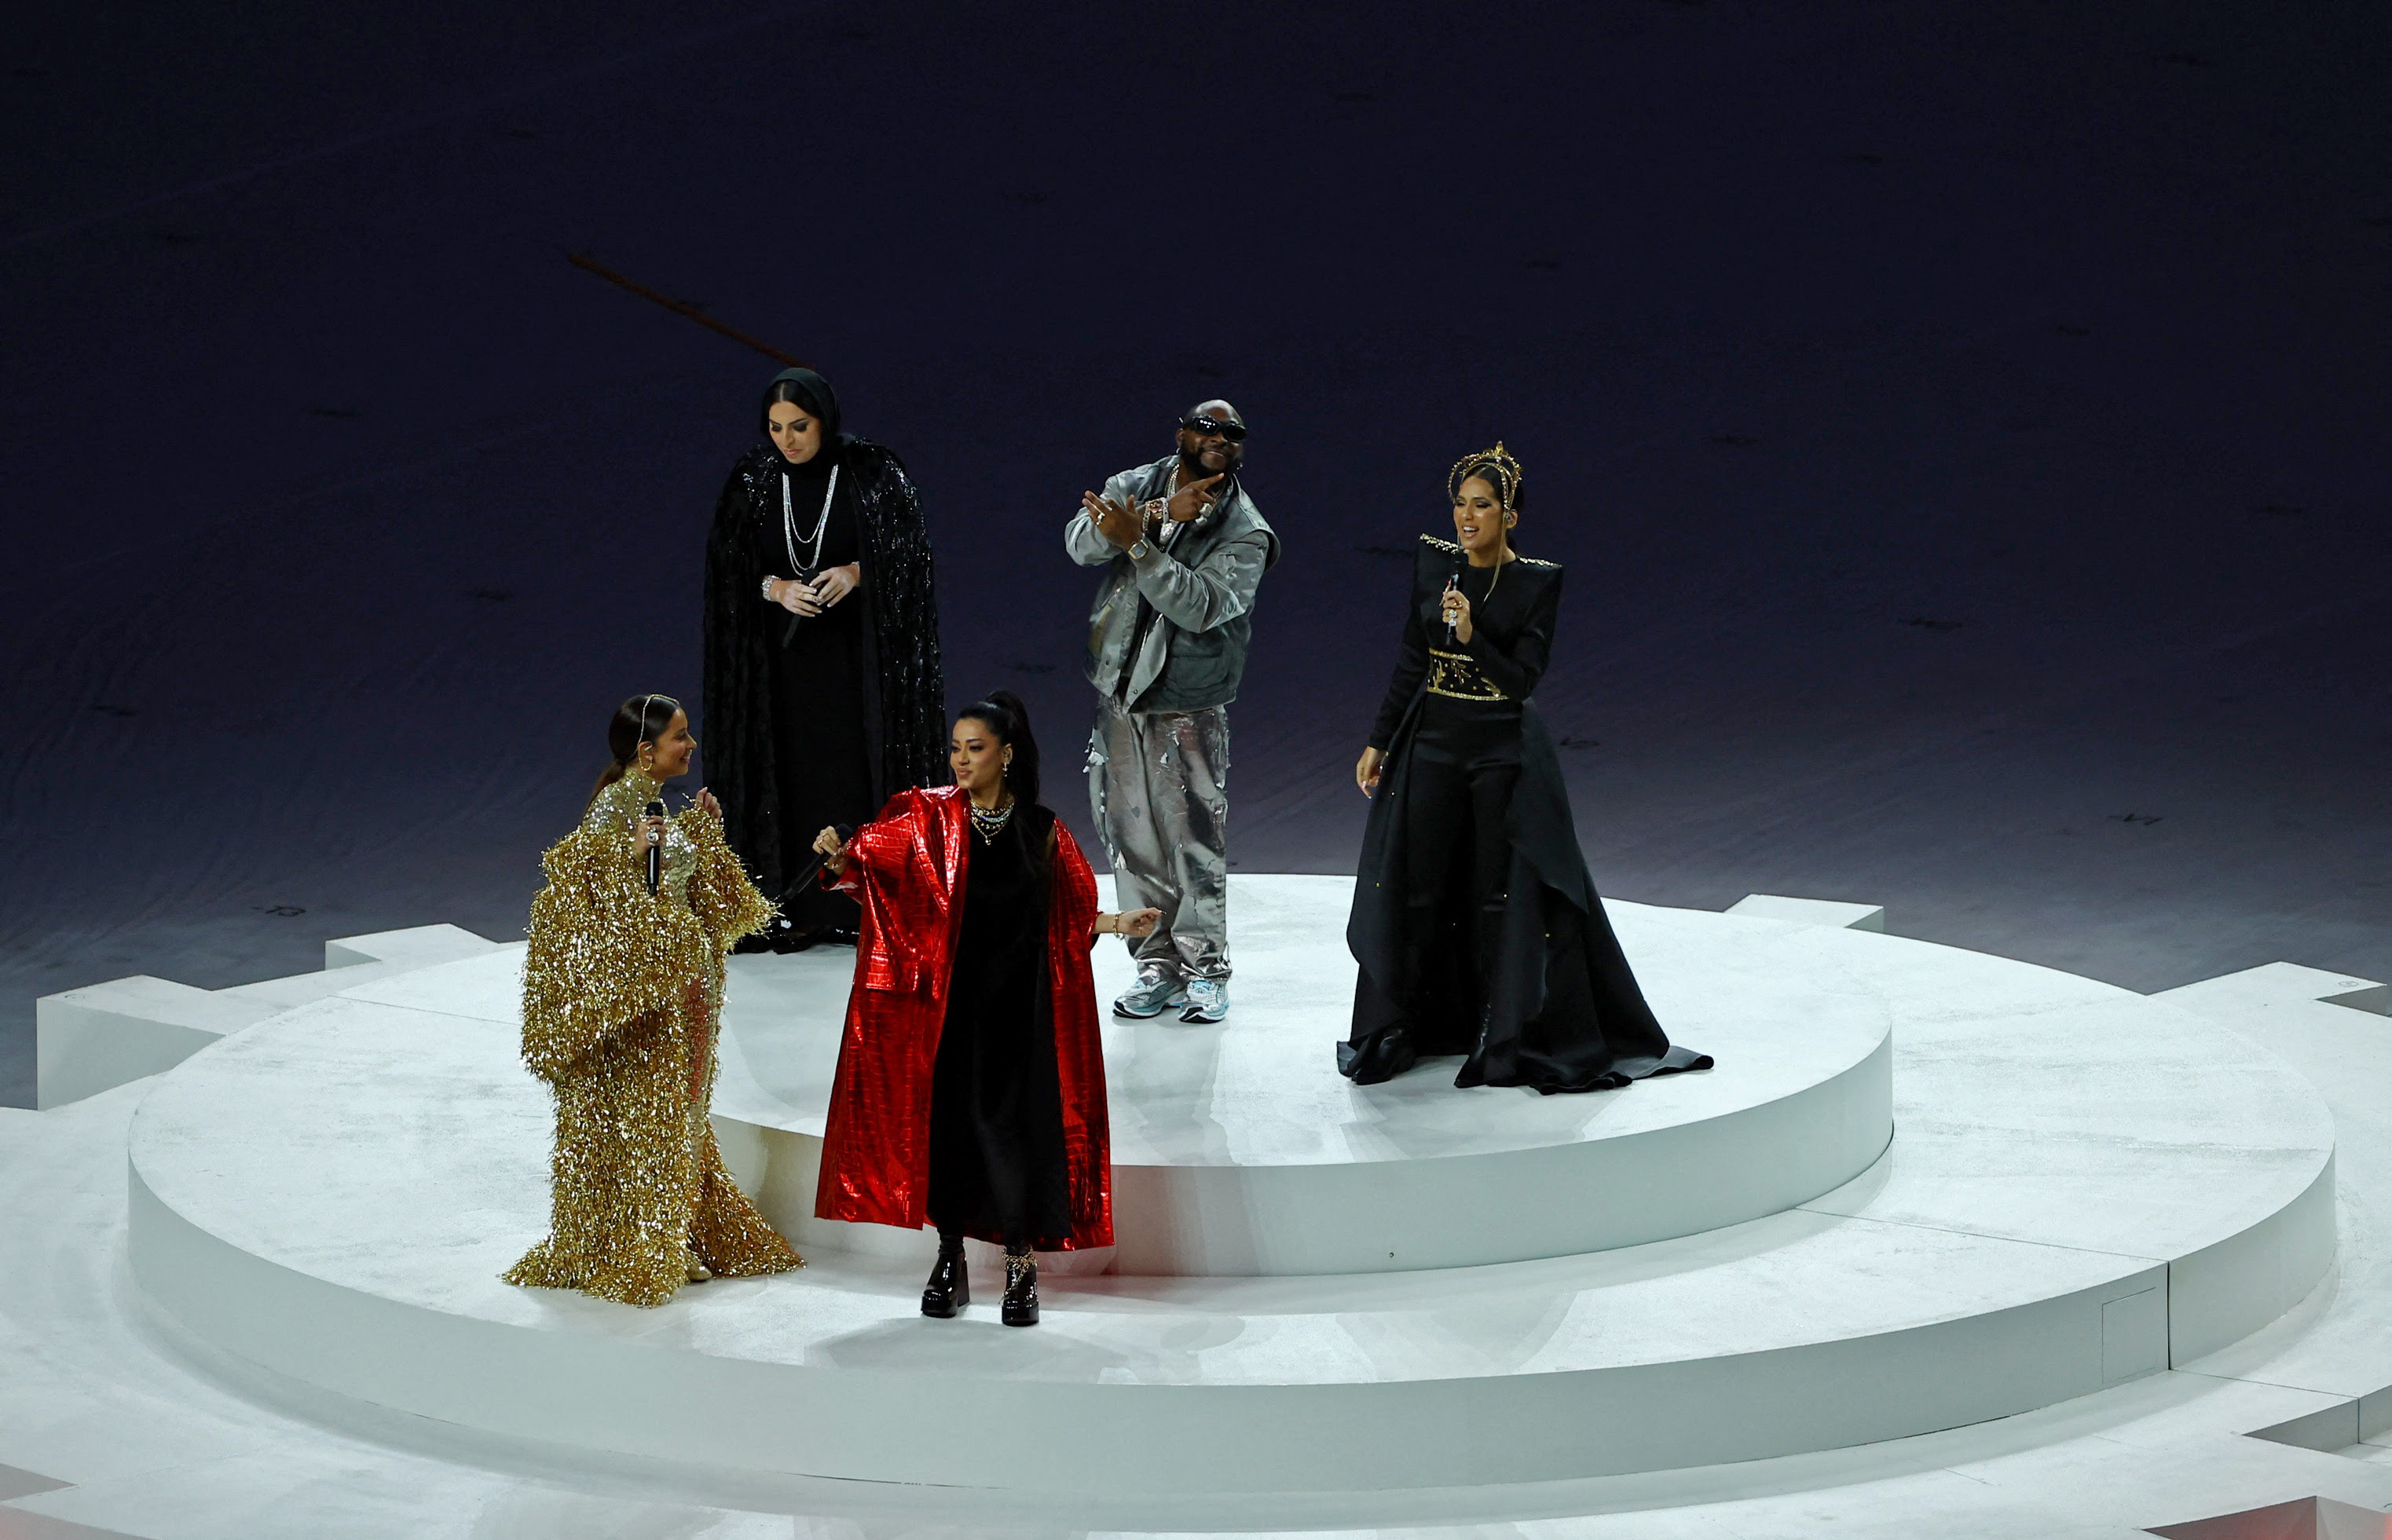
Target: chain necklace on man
989	822
790	526
1166	528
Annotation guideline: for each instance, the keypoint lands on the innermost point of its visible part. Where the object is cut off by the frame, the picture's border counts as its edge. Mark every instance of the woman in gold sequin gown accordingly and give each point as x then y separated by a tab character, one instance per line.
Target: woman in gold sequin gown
622	997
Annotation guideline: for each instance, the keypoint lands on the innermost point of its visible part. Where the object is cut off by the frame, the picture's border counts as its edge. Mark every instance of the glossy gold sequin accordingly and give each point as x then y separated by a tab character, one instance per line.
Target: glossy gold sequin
623	996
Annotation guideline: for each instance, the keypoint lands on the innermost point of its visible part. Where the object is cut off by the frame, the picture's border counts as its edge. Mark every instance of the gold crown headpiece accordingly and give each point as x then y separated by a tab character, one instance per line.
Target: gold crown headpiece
1508	474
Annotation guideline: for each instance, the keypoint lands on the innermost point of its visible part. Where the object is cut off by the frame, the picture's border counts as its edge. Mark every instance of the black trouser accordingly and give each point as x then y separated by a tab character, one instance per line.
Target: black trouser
1457	831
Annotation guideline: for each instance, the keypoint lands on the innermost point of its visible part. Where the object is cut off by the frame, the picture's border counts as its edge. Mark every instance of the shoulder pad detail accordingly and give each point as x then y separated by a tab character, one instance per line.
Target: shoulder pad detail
1436	544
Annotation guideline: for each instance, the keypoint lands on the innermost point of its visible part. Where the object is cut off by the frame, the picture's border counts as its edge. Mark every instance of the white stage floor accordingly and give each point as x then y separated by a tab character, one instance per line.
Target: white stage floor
2094	1185
2092	1202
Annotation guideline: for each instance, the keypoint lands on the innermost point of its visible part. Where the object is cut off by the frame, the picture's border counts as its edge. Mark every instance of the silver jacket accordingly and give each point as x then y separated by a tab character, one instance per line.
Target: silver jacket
1198	591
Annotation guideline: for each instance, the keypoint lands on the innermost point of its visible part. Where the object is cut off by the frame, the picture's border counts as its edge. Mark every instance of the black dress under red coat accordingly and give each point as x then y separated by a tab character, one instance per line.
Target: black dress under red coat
910	872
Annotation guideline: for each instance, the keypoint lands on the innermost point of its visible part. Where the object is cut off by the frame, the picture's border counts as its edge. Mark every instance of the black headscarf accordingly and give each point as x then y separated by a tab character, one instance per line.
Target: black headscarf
821	403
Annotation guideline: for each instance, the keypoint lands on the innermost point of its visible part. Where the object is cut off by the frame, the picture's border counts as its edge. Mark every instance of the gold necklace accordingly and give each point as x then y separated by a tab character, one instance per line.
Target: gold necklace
990	823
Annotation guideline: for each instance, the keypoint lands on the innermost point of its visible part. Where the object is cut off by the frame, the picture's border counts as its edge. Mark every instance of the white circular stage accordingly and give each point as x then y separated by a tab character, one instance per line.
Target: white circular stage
2084	1187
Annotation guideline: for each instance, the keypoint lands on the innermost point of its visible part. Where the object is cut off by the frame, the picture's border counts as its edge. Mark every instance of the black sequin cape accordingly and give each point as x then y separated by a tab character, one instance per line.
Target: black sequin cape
904	686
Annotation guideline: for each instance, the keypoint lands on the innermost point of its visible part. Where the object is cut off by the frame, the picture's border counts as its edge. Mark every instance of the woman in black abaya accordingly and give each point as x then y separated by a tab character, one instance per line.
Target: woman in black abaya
1476	924
824	692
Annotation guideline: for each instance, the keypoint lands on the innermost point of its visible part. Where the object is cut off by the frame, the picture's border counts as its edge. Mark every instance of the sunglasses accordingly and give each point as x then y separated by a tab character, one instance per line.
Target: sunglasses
1205	427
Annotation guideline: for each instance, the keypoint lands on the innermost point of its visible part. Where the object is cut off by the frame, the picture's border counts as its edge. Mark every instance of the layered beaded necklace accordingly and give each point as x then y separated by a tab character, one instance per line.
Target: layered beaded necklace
789	535
989	822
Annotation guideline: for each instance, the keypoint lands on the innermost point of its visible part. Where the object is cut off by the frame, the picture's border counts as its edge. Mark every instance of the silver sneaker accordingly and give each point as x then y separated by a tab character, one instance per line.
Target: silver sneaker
1156	993
1208	1000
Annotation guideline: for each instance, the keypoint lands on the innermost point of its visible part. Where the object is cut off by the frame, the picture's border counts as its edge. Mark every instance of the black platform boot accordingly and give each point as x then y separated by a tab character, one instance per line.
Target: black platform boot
950	1286
1021	1289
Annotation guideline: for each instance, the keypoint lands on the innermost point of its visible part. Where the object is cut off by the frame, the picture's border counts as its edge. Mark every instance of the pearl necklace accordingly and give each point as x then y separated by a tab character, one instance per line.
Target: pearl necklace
789	525
989	823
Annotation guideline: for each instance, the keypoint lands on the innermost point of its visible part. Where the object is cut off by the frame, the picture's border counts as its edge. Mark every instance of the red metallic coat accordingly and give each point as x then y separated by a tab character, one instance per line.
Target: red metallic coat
907	869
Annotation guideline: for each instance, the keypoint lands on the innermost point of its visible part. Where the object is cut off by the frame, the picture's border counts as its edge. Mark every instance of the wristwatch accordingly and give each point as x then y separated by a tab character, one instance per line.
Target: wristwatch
1137	551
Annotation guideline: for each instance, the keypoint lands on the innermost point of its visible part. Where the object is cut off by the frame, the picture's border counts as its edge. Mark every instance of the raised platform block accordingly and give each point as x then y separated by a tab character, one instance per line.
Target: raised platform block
2271	982
2302	1519
329	1196
94	1038
1811	912
91	1039
415	947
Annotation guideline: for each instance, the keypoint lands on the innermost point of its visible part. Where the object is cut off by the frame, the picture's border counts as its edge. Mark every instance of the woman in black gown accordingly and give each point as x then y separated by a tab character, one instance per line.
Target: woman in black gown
823	692
1476	923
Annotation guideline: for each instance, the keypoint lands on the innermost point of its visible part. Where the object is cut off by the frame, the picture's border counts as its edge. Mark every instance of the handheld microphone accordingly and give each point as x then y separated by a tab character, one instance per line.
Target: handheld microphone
1454	582
656	851
813	868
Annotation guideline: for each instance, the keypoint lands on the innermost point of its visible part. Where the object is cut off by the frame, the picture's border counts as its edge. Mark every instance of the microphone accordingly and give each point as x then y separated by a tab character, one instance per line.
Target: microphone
656	851
1454	582
813	868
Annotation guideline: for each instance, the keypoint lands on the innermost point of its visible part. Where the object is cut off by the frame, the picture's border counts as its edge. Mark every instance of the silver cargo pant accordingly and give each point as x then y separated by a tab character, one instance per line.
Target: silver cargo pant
1158	789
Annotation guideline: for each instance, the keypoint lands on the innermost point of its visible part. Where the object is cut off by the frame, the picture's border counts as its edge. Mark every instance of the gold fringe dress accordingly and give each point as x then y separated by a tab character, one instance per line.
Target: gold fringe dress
622	990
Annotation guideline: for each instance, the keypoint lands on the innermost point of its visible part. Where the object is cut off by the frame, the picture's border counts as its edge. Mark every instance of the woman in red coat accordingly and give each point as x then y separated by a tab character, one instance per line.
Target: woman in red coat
970	1091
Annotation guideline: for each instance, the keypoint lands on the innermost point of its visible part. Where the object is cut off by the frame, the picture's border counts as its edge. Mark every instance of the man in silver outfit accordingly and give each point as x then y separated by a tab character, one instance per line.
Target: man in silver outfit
1184	550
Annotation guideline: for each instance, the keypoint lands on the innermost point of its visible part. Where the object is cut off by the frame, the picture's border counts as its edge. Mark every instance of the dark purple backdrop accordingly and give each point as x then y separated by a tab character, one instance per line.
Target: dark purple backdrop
1964	424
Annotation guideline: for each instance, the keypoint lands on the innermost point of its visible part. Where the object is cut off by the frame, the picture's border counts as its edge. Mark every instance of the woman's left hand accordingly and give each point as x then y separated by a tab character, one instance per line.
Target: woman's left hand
1455	605
833	584
706	801
1137	922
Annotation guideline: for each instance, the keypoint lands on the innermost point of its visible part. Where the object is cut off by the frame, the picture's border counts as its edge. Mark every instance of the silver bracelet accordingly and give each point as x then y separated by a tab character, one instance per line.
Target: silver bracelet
769	581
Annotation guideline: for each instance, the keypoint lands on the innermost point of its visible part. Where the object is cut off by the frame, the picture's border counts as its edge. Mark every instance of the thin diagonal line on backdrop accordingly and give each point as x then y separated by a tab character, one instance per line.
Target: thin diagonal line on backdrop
681	308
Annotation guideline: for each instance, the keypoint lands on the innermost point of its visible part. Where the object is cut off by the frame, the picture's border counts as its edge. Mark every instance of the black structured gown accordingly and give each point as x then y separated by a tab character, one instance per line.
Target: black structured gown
817	721
1476	924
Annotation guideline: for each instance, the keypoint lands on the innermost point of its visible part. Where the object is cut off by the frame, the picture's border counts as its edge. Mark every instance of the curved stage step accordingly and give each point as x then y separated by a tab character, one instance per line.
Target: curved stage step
2084	1186
1237	1149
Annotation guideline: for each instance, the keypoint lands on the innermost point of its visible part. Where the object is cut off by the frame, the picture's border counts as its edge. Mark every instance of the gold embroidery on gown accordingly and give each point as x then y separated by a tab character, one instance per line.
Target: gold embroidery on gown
618	985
